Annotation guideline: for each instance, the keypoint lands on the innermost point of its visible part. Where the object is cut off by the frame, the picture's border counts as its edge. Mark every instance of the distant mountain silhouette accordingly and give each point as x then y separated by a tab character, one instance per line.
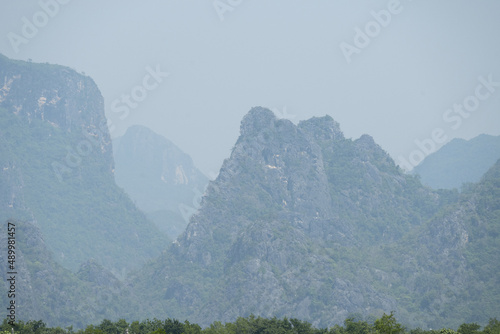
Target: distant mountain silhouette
160	178
459	161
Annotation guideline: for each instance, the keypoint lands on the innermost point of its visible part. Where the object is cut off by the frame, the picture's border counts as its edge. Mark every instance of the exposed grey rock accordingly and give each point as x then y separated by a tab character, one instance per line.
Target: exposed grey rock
290	226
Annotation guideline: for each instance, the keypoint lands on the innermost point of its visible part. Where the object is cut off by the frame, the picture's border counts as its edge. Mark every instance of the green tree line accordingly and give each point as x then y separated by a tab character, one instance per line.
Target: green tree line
387	324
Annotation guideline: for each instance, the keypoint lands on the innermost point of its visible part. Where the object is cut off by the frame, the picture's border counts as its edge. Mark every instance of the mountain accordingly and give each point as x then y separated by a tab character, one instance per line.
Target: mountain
452	271
57	169
459	161
43	289
300	222
160	178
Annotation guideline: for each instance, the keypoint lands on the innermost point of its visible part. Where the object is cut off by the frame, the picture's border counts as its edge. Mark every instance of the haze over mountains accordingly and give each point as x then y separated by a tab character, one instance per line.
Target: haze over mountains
159	177
57	162
396	88
459	161
46	290
300	221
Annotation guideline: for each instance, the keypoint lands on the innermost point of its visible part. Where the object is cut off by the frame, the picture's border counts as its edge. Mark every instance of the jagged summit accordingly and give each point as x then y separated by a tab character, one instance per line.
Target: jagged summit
260	119
322	128
289	196
367	140
256	120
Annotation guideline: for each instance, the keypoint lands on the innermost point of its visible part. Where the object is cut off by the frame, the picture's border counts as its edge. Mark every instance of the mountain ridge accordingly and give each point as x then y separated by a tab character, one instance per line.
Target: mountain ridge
459	161
287	197
57	169
301	222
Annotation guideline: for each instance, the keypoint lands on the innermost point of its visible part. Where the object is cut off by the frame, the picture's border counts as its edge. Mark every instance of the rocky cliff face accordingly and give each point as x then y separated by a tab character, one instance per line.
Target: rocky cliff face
300	222
290	227
312	178
463	245
57	95
57	169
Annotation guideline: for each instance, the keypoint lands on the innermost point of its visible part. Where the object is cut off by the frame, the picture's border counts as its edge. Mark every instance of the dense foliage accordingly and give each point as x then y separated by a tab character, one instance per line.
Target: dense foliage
387	324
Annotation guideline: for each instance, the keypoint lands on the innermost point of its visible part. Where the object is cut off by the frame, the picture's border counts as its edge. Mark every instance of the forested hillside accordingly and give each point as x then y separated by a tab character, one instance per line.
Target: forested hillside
45	290
57	169
301	222
304	222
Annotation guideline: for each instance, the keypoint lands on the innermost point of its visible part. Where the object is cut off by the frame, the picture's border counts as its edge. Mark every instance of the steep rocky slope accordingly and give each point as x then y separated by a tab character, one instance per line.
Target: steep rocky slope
459	250
56	168
290	227
301	222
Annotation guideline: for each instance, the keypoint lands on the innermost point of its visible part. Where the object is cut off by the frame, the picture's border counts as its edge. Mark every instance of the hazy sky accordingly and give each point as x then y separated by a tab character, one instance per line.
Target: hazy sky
391	69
